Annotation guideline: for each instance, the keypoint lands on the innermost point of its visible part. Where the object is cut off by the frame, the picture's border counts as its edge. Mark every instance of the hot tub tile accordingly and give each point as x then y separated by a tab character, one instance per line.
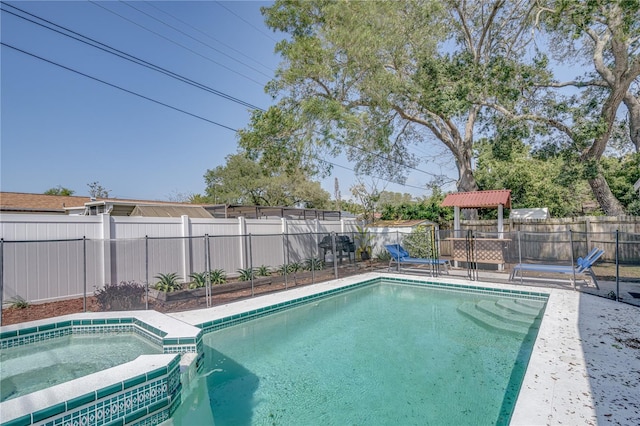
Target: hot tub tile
81	400
48	412
109	390
20	421
134	381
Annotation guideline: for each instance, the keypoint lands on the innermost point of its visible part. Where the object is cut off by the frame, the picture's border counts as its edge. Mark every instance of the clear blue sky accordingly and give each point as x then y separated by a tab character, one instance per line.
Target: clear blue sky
61	128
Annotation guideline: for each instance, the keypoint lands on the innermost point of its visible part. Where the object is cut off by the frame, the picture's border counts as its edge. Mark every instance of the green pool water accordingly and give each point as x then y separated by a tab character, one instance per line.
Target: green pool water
378	355
36	366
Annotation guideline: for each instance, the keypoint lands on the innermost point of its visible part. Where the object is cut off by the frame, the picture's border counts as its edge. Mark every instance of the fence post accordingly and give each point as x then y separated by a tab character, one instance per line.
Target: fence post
207	268
519	254
1	277
242	230
398	250
106	247
186	242
251	263
617	266
146	272
572	263
285	263
335	260
84	273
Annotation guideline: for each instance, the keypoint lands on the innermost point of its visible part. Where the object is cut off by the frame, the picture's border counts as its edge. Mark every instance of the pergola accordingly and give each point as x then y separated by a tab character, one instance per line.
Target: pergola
479	200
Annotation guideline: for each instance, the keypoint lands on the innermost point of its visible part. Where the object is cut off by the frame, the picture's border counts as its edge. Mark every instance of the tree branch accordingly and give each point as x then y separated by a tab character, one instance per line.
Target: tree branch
531	117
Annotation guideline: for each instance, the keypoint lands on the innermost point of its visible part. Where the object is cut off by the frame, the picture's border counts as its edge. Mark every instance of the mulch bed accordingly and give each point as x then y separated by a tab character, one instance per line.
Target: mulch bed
13	315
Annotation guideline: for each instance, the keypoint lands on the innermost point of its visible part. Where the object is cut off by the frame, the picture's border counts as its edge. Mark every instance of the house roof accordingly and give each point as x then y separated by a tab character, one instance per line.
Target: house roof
478	199
34	203
20	202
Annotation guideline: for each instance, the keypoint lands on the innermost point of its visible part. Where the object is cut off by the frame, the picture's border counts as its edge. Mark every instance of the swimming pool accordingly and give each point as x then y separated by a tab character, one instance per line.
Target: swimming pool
387	352
29	368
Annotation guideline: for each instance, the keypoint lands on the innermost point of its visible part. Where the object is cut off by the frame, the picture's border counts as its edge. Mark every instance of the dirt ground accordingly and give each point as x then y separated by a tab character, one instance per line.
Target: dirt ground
14	315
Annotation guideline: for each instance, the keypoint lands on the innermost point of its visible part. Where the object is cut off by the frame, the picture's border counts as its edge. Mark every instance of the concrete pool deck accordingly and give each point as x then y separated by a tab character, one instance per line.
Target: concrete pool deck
585	365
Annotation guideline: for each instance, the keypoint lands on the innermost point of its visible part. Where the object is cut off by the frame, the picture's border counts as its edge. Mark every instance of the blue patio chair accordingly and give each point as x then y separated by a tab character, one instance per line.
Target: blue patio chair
582	267
401	256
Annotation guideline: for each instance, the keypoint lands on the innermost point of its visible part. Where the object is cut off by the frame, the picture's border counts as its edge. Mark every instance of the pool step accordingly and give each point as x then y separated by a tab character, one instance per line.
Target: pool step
491	308
521	308
491	322
535	304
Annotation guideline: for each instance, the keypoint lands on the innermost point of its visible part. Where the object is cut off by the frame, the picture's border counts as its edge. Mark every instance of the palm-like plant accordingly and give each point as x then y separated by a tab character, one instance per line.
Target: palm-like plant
199	280
246	274
263	271
217	276
168	282
313	264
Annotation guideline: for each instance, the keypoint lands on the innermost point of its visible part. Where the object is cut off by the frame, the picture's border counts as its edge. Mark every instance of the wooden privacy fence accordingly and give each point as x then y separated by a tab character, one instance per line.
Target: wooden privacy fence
553	239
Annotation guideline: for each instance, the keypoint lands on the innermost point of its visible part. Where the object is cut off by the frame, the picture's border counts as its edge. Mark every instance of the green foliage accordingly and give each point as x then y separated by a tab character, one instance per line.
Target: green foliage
125	296
59	190
427	208
246	274
168	282
199	280
551	181
282	269
244	181
217	276
18	302
295	267
420	243
313	264
363	240
263	271
621	174
383	255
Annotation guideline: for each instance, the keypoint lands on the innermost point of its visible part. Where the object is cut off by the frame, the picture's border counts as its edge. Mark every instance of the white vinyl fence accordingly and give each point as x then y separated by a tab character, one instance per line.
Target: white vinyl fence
48	257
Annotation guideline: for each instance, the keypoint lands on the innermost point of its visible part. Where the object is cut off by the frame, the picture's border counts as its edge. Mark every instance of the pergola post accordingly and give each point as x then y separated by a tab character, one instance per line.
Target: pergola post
500	229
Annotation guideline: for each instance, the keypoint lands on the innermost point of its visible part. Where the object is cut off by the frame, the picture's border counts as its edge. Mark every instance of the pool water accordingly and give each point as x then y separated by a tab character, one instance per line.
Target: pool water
36	366
382	354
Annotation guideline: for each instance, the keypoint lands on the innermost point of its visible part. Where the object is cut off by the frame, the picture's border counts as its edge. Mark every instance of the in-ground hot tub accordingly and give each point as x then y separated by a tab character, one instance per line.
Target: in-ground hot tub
106	377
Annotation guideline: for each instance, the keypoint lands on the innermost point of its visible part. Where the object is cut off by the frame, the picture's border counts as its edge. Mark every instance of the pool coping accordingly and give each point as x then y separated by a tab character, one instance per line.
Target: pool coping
556	387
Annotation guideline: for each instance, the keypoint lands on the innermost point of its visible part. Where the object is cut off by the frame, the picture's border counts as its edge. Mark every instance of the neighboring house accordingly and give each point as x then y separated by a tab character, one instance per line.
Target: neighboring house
18	202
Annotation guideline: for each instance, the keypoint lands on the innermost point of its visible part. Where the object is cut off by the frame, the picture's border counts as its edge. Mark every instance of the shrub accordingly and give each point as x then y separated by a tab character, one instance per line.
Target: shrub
313	264
125	296
296	267
199	280
263	271
18	302
168	282
383	255
246	274
217	276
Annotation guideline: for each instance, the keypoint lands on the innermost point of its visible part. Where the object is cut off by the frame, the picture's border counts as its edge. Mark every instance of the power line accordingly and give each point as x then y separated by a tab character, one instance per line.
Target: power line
210	37
117	87
123	55
177	44
193	38
245	21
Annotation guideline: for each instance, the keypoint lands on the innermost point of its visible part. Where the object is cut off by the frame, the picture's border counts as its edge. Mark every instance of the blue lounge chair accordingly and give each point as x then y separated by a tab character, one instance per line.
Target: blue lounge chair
583	267
400	256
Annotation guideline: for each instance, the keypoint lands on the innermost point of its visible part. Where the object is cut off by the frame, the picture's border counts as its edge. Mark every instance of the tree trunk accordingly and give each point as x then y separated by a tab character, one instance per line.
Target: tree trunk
608	202
467	181
633	106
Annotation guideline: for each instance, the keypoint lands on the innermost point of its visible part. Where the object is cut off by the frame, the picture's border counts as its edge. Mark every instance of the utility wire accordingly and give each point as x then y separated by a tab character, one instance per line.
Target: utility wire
245	21
117	87
193	38
177	44
131	58
139	61
210	36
